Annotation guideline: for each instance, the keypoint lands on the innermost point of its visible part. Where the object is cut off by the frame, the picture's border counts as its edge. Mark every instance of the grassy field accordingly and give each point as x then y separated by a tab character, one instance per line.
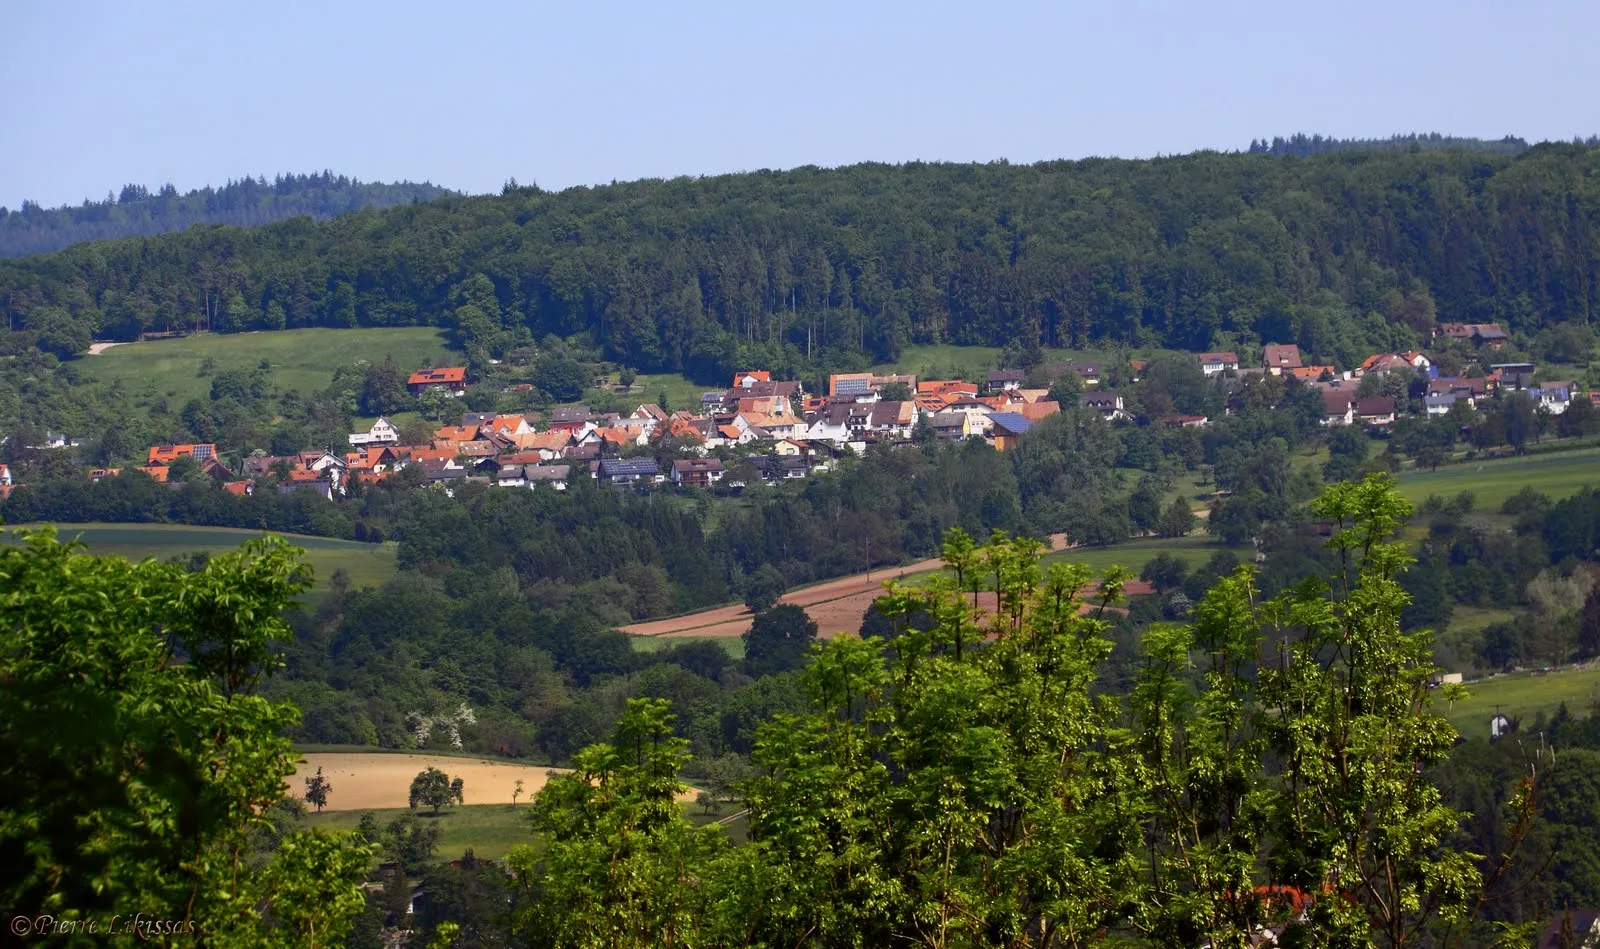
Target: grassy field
1523	696
301	359
1558	475
732	645
1193	550
365	564
490	830
680	392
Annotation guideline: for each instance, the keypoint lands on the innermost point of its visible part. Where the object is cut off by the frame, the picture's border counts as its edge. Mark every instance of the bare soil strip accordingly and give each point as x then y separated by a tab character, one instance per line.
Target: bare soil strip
835	605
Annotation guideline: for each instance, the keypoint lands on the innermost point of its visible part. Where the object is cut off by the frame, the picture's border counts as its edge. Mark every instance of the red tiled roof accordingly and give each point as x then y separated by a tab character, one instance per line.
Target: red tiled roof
428	377
456	433
1034	411
167	454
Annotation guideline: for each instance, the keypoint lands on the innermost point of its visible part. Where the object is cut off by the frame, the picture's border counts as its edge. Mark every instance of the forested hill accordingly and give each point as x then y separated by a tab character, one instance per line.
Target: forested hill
139	212
1342	253
1304	146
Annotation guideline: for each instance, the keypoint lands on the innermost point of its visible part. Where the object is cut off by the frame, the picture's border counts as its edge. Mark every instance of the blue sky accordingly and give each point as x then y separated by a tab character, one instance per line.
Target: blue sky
98	94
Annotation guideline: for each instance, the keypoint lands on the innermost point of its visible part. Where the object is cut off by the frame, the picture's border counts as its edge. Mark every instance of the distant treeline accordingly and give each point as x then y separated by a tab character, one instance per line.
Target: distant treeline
1344	254
1301	145
139	212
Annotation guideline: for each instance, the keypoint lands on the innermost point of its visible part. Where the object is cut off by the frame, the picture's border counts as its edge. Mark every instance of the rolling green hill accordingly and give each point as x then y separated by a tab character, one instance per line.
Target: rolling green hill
1343	253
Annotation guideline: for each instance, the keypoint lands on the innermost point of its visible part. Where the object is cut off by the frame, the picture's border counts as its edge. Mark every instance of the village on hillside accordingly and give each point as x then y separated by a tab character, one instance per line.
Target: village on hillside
764	430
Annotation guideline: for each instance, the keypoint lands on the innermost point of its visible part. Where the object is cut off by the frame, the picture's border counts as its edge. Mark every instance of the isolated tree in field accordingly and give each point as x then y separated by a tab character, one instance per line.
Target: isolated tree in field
778	639
516	792
456	791
317	790
763	588
134	781
1177	519
706	801
431	787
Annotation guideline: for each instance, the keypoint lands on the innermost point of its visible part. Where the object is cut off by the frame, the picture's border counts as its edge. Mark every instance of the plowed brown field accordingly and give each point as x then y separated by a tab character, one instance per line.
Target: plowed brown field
836	605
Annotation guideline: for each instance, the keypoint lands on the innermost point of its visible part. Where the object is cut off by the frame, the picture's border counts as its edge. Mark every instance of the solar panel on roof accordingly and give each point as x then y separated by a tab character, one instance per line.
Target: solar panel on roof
853	387
1011	422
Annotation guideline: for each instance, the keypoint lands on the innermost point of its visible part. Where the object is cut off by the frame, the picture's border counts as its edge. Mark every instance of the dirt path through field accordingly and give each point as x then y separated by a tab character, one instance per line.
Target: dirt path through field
96	349
834	605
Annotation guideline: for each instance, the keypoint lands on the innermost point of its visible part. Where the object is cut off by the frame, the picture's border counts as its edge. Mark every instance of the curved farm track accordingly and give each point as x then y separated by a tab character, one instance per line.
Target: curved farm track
835	605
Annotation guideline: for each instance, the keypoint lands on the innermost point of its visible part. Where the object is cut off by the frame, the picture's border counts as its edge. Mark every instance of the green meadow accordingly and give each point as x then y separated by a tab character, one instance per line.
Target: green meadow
365	564
732	645
1557	474
491	830
302	359
1524	695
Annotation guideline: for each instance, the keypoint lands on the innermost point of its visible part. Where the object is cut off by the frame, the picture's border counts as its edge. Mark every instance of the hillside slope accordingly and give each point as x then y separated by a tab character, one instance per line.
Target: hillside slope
1343	253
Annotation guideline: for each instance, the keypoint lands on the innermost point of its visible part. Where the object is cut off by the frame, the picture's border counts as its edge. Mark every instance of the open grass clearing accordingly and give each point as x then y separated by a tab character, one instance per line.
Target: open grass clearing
733	646
1193	550
491	830
302	359
1523	695
1556	474
367	565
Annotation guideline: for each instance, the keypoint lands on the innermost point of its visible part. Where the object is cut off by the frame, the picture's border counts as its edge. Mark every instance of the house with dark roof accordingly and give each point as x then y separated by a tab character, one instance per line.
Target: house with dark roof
697	471
1338	406
1005	428
951	426
1003	379
1375	411
1277	358
1513	375
630	471
774	468
1553	397
1482	334
1108	404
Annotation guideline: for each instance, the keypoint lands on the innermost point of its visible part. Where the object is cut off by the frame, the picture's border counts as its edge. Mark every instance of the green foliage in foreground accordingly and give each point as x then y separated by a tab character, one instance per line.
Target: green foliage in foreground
961	784
137	761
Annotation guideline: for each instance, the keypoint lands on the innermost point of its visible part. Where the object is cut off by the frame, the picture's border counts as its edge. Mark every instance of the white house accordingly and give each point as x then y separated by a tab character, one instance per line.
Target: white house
1441	403
382	432
1338	406
1213	363
1554	397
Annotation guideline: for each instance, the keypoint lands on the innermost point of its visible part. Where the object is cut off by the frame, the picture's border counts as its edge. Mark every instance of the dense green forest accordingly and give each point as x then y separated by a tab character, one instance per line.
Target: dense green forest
249	202
1301	145
1343	253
